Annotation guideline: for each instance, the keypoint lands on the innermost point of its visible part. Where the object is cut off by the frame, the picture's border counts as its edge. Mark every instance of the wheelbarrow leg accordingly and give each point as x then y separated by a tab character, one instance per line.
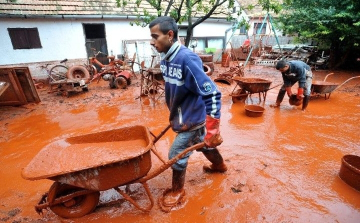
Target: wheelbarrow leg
128	198
328	96
41	204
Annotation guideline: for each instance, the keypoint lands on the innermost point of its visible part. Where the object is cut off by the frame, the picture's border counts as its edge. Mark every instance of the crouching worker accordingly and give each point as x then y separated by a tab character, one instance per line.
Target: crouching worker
292	72
194	103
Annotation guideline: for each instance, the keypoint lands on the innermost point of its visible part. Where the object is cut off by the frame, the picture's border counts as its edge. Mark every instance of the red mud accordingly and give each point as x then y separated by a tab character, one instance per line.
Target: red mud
283	166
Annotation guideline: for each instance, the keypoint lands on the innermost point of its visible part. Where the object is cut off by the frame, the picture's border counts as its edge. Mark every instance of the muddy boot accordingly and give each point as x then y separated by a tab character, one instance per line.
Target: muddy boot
305	102
217	162
174	196
279	98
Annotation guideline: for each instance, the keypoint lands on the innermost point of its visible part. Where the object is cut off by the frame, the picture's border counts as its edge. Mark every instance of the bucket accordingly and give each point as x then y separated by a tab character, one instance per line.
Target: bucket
207	70
254	110
350	171
293	100
225	60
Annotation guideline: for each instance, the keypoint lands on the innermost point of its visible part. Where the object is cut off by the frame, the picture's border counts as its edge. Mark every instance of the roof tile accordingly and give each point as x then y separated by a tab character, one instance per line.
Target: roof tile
74	7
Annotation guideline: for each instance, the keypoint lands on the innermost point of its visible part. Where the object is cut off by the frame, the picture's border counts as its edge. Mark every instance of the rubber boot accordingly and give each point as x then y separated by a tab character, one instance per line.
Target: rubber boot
217	162
305	102
174	196
279	98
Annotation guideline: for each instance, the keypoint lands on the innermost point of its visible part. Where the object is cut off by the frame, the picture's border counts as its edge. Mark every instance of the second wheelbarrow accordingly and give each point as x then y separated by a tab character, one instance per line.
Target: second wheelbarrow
250	85
326	87
84	165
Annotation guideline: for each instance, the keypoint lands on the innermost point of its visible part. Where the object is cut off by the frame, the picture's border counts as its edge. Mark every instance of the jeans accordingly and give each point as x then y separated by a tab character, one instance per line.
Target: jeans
182	141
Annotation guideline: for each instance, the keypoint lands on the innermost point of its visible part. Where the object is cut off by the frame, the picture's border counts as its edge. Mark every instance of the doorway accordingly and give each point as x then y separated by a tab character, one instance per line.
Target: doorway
95	38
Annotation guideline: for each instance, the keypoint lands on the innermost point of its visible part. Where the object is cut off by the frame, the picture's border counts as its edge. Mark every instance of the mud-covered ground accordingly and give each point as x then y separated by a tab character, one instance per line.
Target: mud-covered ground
283	166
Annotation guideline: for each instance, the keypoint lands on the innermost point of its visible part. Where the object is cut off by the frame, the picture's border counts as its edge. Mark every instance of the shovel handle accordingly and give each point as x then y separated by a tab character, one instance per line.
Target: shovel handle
161	134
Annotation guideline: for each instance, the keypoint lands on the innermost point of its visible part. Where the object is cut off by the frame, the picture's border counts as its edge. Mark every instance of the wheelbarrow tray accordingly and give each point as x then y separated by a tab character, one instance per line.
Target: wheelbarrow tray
96	161
253	85
323	87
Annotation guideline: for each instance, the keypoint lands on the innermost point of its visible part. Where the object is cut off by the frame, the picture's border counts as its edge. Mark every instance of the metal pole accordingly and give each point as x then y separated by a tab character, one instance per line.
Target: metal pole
277	40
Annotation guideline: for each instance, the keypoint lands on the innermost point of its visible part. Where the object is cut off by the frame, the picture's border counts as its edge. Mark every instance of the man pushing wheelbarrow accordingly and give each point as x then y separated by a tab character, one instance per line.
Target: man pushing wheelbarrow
194	103
82	166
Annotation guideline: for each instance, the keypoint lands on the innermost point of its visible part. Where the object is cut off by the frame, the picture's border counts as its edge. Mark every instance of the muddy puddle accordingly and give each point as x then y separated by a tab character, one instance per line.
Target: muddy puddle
283	166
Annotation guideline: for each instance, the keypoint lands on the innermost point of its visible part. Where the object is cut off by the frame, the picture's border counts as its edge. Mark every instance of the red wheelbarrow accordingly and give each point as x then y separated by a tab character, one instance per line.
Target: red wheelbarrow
250	85
325	87
84	165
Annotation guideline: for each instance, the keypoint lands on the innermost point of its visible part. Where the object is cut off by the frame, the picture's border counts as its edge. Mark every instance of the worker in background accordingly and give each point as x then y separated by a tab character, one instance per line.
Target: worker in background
246	46
292	72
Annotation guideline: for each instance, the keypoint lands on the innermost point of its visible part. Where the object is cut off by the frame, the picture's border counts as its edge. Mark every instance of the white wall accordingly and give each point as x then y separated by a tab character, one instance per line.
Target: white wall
117	31
59	39
211	29
65	38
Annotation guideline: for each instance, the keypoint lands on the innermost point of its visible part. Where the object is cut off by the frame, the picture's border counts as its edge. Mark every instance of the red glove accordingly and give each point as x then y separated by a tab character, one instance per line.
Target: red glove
212	137
300	94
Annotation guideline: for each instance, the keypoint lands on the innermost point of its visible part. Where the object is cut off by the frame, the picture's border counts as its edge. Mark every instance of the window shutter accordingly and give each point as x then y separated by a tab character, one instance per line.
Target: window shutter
18	38
34	39
24	38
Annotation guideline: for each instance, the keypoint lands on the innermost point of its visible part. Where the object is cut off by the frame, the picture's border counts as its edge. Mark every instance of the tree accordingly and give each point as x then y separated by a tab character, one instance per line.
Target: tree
193	12
334	24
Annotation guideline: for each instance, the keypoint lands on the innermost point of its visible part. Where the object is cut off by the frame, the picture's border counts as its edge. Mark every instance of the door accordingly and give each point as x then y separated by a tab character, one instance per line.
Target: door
95	38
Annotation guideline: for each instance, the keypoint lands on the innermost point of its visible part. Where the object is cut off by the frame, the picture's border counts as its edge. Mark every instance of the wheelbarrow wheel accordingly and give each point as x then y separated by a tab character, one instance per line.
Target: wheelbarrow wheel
75	207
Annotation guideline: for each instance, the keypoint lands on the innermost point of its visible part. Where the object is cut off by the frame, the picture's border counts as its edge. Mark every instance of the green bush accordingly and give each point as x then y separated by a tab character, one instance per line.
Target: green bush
210	50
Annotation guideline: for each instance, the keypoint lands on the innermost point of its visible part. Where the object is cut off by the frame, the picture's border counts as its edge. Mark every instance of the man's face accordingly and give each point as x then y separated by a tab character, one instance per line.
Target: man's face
161	42
284	69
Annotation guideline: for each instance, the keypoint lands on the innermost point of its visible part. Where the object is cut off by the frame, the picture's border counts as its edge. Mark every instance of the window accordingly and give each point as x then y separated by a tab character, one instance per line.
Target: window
24	38
182	30
243	30
257	27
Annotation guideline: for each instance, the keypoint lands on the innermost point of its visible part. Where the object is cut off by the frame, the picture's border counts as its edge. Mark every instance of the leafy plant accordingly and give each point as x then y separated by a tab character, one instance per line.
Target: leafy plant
194	12
333	24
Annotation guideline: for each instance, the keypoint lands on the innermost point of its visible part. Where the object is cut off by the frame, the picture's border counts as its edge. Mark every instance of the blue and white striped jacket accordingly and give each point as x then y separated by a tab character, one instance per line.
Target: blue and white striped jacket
190	94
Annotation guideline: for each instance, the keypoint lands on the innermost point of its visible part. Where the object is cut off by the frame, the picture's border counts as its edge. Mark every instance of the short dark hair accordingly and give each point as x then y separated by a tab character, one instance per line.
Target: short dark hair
166	24
281	64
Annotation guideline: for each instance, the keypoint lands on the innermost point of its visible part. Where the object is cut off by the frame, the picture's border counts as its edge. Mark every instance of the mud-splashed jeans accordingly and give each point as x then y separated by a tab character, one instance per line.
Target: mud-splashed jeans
182	141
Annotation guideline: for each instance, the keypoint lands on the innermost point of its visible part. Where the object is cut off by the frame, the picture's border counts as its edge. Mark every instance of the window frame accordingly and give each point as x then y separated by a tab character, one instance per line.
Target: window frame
257	26
24	38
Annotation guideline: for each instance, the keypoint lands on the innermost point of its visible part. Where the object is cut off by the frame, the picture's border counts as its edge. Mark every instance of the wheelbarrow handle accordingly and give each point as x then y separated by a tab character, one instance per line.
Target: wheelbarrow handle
274	86
327	76
346	82
166	165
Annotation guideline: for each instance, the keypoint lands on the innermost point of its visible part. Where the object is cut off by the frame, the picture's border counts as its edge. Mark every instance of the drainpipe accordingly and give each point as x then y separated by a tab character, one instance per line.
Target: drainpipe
233	28
69	16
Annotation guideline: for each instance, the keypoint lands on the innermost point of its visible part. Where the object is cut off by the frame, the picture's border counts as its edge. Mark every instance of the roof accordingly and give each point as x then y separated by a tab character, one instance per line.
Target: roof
65	7
76	8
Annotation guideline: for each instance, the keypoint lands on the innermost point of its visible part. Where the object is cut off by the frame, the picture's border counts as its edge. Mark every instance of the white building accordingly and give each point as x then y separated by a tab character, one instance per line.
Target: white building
33	33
